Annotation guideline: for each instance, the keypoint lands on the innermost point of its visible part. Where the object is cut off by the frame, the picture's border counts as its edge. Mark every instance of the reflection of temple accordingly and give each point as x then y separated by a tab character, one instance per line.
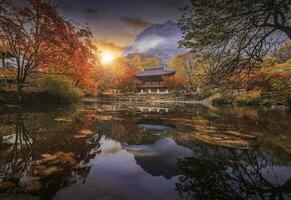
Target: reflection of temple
154	126
153	109
152	80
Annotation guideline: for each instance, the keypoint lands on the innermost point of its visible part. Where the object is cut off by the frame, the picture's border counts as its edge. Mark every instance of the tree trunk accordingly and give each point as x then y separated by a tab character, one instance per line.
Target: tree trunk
3	59
19	90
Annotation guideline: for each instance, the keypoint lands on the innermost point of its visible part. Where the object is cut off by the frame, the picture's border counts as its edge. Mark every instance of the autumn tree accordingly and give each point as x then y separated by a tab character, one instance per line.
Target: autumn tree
132	61
3	44
151	62
41	40
195	69
185	66
236	33
4	52
284	53
126	81
174	82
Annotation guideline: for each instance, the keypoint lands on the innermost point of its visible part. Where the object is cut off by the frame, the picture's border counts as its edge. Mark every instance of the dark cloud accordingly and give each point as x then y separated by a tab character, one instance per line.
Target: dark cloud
120	21
135	23
91	14
91	11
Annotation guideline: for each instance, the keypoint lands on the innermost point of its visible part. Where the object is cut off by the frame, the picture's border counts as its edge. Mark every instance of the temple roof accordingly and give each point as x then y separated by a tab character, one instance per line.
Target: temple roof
161	71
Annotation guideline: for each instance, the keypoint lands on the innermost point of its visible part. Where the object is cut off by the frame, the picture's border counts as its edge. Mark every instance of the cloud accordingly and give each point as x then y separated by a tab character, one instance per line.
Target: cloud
91	14
91	11
148	43
108	45
135	23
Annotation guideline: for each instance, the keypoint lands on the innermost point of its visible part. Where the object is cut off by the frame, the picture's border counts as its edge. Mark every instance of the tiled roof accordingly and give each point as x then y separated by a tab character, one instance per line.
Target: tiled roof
161	71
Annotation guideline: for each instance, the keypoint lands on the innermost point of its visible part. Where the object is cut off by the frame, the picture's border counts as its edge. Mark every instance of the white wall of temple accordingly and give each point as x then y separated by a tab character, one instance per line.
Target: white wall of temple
154	91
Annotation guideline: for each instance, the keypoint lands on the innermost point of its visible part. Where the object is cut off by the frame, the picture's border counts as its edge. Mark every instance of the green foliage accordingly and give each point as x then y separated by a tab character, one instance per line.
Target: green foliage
284	53
205	92
101	88
60	90
249	98
151	62
278	80
235	32
193	68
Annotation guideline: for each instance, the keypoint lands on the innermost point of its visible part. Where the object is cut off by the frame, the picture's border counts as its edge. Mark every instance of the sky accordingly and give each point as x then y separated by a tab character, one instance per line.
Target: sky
115	23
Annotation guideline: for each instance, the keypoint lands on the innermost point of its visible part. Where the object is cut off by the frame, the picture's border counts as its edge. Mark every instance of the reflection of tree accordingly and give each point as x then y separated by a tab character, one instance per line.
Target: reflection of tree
25	140
18	155
220	173
85	154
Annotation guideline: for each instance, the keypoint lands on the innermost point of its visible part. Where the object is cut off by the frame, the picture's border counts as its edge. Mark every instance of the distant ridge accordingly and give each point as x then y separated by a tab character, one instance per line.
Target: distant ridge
157	40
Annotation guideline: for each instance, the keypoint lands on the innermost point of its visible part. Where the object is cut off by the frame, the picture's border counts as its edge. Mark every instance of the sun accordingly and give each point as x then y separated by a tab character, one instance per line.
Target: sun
107	58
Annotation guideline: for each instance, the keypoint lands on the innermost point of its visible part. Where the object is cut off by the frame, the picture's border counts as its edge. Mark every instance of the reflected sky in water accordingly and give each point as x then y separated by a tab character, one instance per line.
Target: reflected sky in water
116	174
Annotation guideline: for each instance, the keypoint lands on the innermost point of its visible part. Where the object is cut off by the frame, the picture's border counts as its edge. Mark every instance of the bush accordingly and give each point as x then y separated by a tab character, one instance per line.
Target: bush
223	100
60	90
249	98
206	92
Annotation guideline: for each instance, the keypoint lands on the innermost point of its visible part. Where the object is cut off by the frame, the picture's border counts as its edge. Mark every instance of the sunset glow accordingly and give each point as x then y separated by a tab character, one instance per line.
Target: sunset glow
107	58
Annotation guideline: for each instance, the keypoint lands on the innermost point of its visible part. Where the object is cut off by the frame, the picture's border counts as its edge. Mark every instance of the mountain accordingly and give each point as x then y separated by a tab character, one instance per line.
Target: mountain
157	40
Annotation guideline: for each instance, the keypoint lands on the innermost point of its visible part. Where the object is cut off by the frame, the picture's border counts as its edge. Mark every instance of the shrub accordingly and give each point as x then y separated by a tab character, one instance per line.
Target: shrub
59	90
222	100
249	98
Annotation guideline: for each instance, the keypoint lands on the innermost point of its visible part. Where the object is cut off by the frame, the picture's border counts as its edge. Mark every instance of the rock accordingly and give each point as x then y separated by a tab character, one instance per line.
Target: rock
34	162
48	157
15	176
66	159
35	178
69	161
33	186
79	136
11	106
51	171
53	162
5	185
62	119
60	154
36	168
84	133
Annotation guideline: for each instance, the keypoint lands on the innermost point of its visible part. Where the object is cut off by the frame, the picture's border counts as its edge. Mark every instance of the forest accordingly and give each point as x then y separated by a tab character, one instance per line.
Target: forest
56	58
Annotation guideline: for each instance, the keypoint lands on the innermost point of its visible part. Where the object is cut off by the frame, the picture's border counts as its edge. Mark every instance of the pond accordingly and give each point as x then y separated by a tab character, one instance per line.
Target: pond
145	152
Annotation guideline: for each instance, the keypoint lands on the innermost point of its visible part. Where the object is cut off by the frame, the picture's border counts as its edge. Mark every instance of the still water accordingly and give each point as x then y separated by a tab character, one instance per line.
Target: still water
171	152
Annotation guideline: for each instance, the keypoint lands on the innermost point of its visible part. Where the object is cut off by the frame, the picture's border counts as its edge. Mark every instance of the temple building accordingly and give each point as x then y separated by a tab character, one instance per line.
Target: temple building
152	80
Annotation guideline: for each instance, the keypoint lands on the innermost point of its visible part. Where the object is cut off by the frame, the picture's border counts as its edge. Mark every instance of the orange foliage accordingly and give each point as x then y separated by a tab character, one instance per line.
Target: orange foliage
41	40
174	82
126	81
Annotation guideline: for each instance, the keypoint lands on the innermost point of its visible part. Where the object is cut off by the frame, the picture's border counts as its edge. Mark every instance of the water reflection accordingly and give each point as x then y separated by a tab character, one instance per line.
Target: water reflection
104	151
220	173
25	143
15	147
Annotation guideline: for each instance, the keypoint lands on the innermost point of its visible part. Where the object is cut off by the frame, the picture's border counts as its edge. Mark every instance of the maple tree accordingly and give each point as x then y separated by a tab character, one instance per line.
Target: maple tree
174	82
126	81
41	40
